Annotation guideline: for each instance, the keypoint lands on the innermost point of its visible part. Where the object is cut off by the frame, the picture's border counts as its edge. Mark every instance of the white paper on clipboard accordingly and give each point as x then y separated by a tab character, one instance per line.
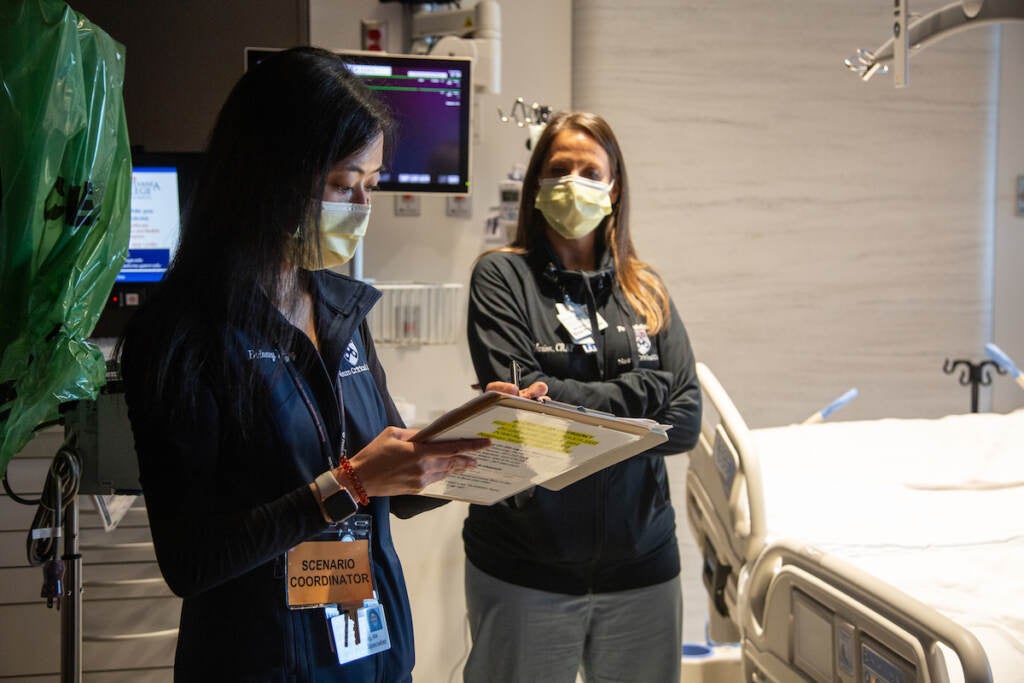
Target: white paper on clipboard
534	443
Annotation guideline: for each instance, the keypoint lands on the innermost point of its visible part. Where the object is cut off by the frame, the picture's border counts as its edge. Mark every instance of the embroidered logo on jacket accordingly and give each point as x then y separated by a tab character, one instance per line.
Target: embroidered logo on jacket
643	342
351	353
351	356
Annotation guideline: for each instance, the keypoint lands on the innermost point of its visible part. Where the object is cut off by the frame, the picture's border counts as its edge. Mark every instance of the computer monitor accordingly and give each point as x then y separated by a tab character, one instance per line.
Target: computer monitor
161	184
429	98
155	220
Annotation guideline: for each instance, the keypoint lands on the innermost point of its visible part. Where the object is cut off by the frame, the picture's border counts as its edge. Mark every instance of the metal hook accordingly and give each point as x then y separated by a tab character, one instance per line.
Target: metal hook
972	374
537	113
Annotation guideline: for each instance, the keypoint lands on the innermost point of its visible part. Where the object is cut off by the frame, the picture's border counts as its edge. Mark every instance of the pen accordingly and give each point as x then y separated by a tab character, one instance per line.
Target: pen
515	371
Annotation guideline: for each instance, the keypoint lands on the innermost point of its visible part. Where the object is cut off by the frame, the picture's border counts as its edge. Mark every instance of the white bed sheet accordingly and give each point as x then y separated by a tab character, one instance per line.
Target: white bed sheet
933	507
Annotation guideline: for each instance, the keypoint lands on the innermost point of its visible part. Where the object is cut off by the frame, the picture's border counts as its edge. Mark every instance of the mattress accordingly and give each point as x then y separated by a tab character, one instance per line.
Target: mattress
932	507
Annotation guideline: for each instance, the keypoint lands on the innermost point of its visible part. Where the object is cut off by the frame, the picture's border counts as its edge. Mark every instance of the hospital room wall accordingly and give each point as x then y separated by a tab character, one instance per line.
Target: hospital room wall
817	232
1008	289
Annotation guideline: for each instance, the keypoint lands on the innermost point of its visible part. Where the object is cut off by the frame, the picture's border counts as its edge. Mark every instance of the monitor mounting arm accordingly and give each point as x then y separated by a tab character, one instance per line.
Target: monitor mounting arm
927	30
473	32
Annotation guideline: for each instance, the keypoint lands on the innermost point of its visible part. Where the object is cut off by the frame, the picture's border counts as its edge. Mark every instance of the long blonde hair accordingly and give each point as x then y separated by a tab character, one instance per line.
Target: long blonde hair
644	290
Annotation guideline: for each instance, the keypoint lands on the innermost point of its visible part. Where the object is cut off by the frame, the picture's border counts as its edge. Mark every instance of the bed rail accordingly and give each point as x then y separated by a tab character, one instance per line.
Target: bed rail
724	500
808	615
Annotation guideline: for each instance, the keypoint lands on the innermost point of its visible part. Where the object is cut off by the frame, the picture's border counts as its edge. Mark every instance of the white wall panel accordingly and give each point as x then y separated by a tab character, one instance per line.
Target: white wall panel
816	232
1008	289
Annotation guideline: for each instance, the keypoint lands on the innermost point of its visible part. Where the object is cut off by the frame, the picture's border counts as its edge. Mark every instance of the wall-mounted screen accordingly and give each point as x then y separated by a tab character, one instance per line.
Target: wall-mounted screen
155	220
429	98
161	184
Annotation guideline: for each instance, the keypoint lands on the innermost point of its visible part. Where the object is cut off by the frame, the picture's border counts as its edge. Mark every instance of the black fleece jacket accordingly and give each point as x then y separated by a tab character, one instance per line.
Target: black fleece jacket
226	502
614	530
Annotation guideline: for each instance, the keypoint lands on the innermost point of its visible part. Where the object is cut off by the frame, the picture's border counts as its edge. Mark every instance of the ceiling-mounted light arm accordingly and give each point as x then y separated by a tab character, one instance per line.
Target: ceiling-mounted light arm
933	27
473	32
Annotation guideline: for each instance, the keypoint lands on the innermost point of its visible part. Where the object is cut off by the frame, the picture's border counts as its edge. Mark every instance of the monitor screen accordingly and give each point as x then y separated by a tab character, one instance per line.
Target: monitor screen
161	184
429	98
155	220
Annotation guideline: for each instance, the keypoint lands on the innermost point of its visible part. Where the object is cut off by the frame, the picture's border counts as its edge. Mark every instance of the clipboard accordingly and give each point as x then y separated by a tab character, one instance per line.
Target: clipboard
534	443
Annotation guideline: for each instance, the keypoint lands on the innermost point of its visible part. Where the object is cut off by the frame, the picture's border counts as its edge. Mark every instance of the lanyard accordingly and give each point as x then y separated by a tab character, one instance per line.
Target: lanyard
315	413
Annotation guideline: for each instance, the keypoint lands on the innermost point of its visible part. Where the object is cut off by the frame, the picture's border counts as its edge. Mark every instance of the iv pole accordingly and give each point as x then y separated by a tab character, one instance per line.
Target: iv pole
71	605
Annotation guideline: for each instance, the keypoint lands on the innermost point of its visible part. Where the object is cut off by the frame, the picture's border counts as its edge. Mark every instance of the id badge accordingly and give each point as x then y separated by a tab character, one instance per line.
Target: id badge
577	325
331	568
359	632
576	321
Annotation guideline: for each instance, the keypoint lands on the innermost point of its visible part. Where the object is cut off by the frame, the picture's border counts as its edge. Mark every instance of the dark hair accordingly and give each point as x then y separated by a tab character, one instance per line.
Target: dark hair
286	122
643	288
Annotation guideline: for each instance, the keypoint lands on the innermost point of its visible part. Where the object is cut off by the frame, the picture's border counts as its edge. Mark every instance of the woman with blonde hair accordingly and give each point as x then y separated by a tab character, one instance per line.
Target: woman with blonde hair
587	578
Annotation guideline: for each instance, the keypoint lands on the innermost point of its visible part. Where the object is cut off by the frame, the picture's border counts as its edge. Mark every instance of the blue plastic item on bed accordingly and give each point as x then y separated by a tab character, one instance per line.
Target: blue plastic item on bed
839	402
1001	359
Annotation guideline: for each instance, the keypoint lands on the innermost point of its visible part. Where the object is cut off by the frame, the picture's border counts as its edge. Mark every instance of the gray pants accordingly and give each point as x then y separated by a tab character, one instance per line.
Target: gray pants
521	635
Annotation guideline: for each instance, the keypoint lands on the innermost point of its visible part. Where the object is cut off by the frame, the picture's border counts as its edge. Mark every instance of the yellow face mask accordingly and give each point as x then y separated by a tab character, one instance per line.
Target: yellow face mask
342	227
573	206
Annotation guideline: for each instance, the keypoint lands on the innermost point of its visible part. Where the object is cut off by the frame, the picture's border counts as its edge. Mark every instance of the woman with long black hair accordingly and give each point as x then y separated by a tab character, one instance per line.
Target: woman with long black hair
259	408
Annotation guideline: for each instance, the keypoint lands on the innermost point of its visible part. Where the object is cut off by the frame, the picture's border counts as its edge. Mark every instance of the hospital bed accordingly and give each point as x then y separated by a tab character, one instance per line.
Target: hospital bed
886	550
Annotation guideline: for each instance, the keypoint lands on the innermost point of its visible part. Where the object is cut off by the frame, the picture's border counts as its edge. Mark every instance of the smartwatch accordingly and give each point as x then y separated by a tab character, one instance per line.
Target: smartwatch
335	498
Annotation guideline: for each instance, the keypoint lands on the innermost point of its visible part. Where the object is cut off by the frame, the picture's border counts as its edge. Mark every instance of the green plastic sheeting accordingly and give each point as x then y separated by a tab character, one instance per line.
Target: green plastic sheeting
65	181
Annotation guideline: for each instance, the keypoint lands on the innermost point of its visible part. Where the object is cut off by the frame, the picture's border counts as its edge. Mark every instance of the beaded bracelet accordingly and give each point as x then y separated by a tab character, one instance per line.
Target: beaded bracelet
351	472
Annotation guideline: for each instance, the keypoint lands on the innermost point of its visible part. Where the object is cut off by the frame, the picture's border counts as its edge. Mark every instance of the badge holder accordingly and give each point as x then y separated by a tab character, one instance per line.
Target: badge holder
576	322
358	633
333	571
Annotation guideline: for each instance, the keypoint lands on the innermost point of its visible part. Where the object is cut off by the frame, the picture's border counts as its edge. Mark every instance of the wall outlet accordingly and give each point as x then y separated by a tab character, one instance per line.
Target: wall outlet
407	205
374	35
459	207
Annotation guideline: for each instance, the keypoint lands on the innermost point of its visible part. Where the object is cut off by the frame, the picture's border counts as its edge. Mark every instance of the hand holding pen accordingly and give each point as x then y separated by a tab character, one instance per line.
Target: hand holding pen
537	390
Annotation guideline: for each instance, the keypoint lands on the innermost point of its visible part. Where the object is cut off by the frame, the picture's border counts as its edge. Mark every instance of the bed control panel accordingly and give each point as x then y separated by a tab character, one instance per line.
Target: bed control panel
846	658
813	642
879	665
825	646
726	460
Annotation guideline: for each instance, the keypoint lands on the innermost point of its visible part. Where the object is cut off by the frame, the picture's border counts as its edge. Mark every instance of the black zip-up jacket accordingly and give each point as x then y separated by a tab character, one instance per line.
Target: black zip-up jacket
225	503
614	530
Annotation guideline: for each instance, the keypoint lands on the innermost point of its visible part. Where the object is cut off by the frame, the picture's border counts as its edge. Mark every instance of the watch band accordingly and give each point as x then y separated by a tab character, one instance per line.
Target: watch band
327	484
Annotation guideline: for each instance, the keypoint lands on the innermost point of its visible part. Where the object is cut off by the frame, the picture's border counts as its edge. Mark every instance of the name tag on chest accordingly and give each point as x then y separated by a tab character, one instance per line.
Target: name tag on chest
329	572
576	321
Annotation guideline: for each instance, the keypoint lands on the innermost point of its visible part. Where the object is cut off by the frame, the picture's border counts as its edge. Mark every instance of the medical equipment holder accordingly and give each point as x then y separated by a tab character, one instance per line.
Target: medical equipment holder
416	313
974	374
522	116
